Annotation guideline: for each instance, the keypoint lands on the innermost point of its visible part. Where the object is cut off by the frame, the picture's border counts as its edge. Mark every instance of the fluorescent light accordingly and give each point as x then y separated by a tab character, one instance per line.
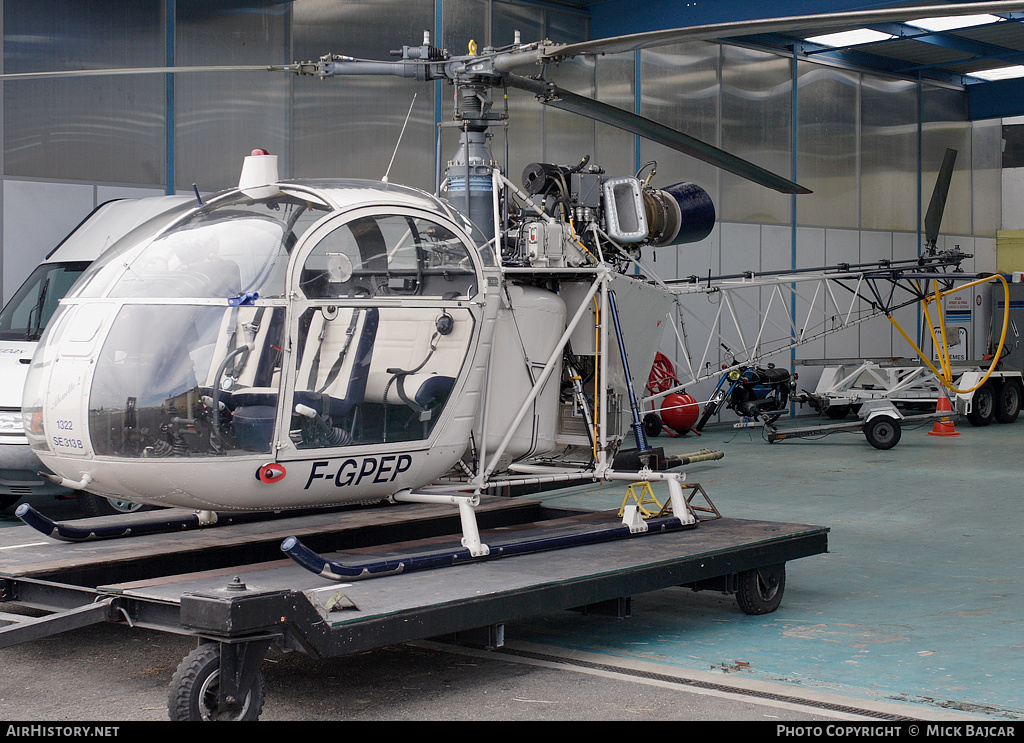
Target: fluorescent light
1000	73
851	38
948	23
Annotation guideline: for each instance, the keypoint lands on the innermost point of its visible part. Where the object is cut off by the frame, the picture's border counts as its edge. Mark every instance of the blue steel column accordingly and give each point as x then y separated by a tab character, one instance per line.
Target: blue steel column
169	28
438	42
792	209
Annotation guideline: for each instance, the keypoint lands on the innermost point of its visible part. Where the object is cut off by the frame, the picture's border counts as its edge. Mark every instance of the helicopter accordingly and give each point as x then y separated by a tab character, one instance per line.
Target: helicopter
291	344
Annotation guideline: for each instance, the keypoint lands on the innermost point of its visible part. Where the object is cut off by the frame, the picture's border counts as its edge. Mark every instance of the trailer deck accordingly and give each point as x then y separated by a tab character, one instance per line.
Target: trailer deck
231	587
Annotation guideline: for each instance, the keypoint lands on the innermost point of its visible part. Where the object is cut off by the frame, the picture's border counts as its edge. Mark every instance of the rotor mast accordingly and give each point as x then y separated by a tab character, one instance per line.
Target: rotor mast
470	174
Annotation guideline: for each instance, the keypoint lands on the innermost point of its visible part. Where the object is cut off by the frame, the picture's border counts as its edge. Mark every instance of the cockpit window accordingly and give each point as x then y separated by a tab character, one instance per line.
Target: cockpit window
206	385
224	251
223	257
387	256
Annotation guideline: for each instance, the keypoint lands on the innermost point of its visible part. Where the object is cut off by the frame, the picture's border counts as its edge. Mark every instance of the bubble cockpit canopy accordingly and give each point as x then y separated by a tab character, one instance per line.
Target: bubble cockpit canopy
181	327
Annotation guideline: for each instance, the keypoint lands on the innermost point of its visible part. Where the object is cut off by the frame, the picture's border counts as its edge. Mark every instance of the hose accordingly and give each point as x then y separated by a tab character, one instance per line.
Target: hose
946	375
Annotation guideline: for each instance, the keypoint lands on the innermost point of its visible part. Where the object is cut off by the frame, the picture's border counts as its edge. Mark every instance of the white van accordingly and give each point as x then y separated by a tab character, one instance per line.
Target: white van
22	322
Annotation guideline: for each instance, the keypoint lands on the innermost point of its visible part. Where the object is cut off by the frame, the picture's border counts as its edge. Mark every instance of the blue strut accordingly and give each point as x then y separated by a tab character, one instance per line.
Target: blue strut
638	426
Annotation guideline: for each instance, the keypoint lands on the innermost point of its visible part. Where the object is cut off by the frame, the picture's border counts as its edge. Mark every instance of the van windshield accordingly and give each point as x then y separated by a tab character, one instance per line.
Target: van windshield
24	318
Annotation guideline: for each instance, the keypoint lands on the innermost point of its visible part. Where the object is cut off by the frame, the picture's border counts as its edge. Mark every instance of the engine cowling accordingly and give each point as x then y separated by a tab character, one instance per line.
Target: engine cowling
681	213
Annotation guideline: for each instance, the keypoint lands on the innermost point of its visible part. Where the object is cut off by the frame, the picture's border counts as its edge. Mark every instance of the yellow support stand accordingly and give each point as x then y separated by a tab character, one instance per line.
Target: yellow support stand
646	496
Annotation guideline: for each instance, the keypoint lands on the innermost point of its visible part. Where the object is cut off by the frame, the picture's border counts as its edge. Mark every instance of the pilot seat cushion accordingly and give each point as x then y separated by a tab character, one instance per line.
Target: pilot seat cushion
254	426
428	390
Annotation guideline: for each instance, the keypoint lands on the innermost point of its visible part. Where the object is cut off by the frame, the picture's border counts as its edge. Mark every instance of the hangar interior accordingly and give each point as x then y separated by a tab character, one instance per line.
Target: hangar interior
868	143
865	130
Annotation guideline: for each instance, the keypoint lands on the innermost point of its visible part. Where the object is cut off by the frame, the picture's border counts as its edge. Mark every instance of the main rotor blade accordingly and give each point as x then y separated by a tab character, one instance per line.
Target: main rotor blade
551	95
790	24
937	205
129	71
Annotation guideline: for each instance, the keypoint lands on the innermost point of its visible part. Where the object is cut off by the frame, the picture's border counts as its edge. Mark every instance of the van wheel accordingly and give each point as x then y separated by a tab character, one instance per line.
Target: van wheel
97	505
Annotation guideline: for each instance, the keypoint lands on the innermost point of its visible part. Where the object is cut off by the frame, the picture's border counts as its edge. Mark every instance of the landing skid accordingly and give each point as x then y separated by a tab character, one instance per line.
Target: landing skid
134	525
542	539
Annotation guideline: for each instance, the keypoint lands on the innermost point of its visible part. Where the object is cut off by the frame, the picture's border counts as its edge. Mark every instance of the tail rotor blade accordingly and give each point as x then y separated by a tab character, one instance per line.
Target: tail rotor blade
933	218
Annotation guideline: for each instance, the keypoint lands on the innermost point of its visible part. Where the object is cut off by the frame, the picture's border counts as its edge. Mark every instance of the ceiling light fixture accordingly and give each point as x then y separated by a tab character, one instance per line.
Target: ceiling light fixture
1000	73
851	38
950	23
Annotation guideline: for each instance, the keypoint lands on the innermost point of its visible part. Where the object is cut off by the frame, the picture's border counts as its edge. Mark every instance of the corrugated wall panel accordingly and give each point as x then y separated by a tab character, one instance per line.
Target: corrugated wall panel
94	128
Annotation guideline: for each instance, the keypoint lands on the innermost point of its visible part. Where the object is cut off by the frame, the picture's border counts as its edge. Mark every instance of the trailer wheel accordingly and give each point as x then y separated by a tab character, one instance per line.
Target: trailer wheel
194	687
1008	401
883	432
652	424
837	412
760	590
983	405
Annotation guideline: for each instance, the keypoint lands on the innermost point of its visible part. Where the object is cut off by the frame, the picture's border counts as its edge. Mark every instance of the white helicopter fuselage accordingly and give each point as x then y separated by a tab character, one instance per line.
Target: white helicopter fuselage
301	344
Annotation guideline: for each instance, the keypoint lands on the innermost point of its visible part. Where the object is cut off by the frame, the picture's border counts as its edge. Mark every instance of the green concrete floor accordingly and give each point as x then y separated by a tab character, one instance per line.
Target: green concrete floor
917	603
918	600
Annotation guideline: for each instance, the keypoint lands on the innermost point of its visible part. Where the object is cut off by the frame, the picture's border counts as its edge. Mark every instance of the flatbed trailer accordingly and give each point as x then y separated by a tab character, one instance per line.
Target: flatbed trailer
231	589
845	385
880	421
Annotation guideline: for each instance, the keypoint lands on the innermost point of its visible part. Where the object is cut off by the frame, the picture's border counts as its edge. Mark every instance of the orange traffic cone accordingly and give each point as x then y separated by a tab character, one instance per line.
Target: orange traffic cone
943	426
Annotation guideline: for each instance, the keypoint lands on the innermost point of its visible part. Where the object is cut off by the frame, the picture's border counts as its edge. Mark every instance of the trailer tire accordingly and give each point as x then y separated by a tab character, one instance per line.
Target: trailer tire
193	692
983	405
837	412
883	431
759	591
1008	401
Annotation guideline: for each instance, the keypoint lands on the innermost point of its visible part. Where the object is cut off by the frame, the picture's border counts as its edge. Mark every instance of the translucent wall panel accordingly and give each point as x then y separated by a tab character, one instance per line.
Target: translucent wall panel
757	123
827	119
986	178
526	117
680	89
94	128
569	137
944	125
888	188
220	117
615	84
348	126
464	20
566	27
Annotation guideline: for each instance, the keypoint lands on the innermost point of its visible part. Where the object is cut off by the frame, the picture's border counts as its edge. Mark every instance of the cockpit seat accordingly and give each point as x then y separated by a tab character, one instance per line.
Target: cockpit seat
422	392
254	426
333	370
417	357
335	364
